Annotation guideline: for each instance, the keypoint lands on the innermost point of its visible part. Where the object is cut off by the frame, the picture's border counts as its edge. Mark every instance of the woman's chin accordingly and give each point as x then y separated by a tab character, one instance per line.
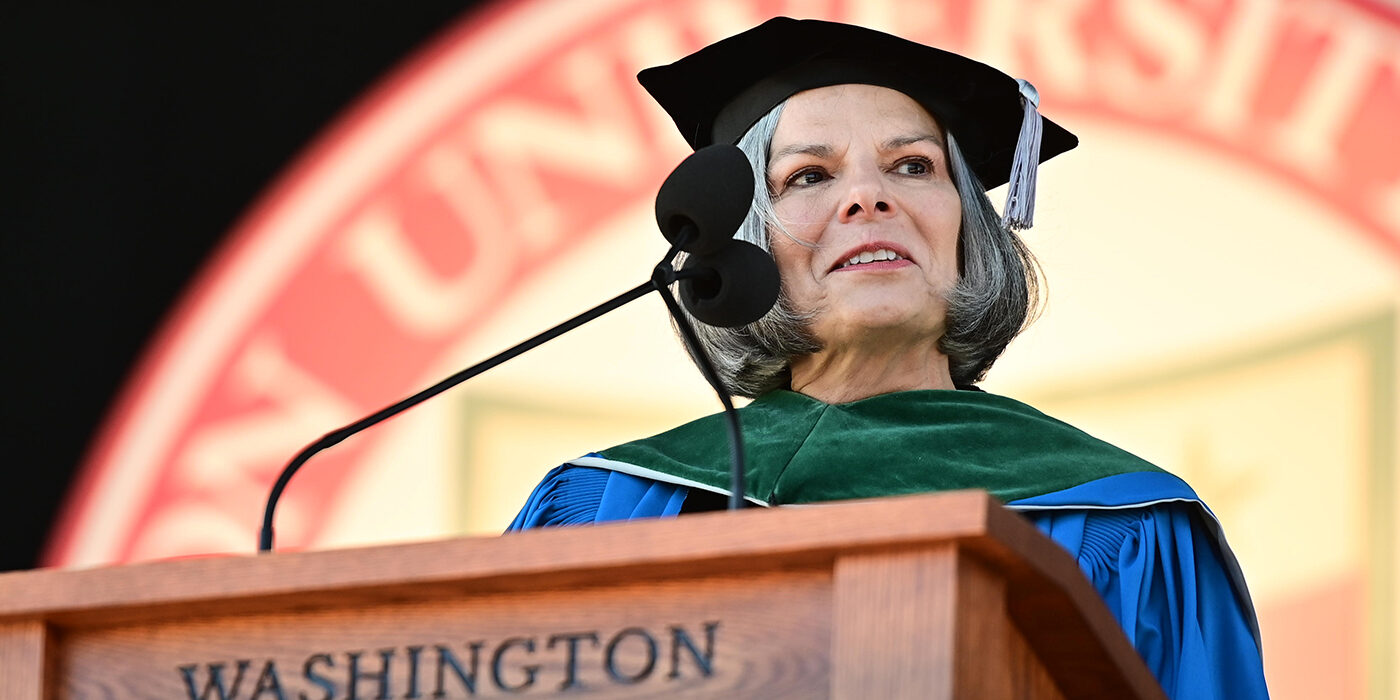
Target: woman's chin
887	323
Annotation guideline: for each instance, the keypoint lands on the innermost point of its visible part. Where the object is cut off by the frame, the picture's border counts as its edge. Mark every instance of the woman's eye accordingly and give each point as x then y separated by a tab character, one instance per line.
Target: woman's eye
810	176
914	166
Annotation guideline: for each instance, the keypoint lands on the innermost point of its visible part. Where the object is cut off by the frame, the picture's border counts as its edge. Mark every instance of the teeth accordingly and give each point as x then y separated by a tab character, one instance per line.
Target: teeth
872	256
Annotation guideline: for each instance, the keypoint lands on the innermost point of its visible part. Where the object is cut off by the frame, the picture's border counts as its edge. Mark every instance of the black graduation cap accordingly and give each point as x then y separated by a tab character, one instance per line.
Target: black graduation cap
717	93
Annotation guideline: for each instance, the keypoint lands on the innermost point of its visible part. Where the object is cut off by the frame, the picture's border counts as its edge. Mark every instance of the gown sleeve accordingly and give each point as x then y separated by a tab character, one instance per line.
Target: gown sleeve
1162	577
571	495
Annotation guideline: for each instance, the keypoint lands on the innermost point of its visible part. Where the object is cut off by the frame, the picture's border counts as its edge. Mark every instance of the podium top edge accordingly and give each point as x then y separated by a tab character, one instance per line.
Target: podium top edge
790	535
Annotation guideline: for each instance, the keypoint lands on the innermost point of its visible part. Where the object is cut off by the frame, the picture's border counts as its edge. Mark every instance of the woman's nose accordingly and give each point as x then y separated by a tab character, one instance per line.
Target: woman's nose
866	198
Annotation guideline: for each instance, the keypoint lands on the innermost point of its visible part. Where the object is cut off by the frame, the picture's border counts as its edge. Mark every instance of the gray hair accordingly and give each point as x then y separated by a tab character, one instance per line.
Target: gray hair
997	290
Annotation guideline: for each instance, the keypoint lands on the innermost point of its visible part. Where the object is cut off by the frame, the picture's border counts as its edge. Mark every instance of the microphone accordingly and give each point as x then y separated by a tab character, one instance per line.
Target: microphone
698	208
741	287
705	199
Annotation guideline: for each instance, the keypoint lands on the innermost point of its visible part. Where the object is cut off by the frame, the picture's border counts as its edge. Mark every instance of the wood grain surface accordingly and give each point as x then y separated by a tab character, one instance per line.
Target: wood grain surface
560	557
893	625
24	660
765	645
928	574
928	624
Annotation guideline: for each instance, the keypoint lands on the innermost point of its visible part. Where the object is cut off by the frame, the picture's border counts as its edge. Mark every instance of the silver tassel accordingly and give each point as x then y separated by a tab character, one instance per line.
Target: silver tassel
1019	212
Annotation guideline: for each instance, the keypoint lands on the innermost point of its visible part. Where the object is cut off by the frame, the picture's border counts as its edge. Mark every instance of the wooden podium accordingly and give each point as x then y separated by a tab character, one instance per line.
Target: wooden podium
939	596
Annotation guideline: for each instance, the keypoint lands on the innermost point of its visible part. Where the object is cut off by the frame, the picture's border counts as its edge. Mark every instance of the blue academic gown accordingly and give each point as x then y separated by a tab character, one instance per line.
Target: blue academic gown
1145	541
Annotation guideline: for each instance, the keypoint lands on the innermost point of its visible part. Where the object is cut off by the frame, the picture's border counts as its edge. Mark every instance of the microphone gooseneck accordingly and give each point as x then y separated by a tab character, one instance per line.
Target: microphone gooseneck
707	368
723	283
335	437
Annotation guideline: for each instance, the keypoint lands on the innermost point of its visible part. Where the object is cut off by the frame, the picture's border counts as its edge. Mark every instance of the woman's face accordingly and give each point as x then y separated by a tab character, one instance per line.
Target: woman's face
862	173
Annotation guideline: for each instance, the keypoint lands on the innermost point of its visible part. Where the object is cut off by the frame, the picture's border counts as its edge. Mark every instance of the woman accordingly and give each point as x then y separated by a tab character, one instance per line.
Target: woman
900	288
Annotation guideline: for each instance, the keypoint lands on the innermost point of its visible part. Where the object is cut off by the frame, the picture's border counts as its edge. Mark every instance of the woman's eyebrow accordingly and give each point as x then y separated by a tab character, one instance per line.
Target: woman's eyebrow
901	141
811	149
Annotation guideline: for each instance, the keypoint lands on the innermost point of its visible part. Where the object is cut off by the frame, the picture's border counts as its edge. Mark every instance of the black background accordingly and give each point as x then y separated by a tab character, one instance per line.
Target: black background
134	135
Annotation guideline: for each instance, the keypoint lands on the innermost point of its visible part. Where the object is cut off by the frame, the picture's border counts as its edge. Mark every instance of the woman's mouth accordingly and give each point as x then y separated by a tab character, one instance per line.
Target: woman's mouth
877	259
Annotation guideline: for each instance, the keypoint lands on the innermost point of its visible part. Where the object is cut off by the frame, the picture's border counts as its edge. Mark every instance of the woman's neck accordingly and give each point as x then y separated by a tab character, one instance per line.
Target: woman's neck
842	375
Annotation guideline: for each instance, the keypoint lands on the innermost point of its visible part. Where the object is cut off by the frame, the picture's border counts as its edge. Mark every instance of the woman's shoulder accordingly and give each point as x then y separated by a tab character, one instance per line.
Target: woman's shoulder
1165	572
573	494
1148	496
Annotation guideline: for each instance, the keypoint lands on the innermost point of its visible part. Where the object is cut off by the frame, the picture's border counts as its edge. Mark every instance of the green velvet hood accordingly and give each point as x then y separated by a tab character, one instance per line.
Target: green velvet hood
800	450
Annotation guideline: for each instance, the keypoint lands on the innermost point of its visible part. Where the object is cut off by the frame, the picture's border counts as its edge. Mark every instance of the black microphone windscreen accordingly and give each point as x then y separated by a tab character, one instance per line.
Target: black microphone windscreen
742	289
707	195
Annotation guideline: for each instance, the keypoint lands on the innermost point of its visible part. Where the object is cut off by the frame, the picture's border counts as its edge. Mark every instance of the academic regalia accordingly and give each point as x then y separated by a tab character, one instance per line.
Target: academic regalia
1144	539
1147	543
